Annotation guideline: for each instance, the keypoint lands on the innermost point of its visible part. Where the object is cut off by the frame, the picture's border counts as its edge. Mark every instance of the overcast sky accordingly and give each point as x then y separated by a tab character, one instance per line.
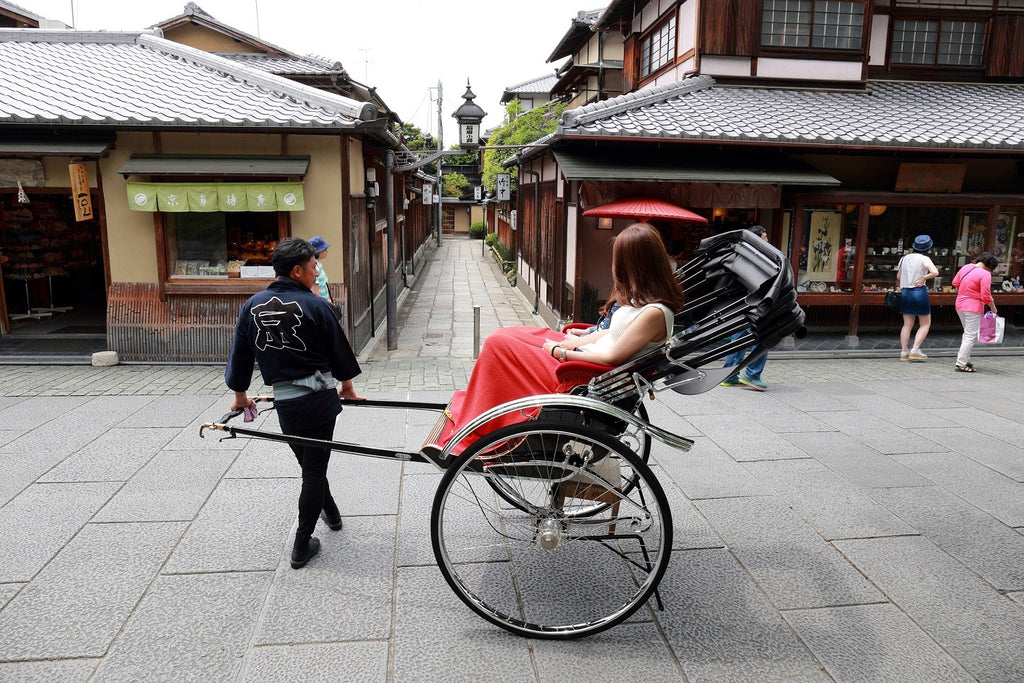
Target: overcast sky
402	47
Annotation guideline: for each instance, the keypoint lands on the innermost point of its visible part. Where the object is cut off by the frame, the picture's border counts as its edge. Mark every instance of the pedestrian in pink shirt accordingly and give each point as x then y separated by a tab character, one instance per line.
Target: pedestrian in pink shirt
974	292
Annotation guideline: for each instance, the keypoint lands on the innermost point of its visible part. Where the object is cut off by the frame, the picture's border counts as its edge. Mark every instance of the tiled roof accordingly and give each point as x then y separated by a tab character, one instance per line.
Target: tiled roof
140	80
286	64
11	7
887	114
580	31
541	84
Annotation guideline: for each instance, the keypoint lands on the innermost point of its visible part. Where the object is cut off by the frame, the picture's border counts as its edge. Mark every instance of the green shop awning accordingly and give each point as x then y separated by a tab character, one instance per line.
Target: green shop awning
206	197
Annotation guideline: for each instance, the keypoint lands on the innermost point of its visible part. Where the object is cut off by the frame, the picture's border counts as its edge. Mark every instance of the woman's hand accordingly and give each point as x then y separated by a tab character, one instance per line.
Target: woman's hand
550	345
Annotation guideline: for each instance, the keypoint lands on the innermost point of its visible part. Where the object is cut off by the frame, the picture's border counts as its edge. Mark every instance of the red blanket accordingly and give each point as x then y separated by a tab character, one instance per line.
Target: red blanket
512	364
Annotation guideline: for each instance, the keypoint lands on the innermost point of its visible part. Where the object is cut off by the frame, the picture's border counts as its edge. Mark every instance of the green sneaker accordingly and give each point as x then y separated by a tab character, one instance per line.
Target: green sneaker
750	383
731	382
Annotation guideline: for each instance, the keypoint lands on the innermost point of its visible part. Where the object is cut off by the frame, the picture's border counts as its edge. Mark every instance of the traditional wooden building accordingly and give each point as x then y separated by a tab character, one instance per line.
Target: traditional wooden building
194	165
847	128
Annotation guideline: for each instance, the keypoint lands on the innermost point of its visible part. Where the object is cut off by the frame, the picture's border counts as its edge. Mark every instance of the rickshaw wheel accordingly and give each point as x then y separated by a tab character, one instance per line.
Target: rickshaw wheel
635	439
575	554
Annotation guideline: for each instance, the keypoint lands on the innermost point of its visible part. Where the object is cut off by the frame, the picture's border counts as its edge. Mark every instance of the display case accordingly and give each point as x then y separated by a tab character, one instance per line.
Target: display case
881	262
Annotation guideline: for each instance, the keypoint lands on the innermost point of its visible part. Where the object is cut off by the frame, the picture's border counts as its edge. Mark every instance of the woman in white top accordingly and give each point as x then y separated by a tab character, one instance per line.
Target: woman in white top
913	271
517	362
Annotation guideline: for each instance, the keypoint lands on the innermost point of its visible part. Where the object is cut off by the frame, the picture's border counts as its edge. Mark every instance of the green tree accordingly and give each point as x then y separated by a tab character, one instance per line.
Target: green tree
415	140
454	185
520	128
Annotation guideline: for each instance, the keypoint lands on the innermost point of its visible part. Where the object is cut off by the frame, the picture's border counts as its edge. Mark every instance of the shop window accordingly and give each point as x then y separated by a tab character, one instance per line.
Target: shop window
937	42
658	48
820	24
220	244
891	232
828	253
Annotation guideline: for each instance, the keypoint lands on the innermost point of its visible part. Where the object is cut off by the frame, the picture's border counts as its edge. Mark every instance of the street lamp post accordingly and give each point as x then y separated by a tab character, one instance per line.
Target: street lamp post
468	115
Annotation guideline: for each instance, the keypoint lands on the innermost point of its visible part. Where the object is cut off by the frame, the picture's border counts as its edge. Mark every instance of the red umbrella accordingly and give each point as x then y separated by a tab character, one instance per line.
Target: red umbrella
643	209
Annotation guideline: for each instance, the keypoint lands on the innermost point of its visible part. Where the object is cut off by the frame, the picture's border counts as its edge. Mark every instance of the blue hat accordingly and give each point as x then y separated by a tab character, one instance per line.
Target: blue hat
922	243
320	244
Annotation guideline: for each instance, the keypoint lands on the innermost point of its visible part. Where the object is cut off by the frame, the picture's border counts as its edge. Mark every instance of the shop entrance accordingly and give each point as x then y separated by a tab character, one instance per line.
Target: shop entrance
53	283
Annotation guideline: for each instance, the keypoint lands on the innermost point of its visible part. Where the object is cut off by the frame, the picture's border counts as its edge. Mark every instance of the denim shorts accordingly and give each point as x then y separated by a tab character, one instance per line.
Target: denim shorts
915	301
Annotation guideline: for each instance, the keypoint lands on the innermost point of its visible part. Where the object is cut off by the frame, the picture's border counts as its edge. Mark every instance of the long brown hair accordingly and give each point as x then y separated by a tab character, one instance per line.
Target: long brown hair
641	271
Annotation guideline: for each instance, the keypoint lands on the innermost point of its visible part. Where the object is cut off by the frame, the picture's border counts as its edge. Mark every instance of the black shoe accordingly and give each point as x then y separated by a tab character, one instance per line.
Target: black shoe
333	522
301	557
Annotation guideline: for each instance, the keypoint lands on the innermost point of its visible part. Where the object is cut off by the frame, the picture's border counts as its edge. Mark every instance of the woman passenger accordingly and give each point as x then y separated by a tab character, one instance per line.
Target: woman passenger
517	362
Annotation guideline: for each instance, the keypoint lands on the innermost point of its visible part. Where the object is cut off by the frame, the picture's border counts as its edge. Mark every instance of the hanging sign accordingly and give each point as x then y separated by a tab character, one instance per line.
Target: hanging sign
503	186
428	194
80	193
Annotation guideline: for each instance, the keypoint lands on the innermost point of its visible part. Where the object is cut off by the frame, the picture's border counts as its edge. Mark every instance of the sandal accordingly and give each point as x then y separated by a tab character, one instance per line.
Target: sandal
965	368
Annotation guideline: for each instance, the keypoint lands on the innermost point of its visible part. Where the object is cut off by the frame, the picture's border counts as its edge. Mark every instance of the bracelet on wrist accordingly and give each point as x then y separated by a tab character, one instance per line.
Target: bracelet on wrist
563	353
556	346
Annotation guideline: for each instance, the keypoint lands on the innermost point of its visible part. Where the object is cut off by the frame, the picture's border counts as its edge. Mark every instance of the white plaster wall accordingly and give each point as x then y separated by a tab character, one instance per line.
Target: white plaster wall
716	65
809	69
879	40
686	27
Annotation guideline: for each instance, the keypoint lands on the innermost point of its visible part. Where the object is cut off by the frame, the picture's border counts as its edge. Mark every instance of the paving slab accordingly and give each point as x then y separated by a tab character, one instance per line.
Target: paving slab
115	455
324	662
784	556
21	470
48	672
995	493
991	549
8	591
832	449
720	626
353	578
432	621
174	485
882	435
598	658
859	464
706	471
873	643
93	584
418	489
189	628
977	626
743	439
908	416
830	504
981	447
36	524
242	527
30	413
690	530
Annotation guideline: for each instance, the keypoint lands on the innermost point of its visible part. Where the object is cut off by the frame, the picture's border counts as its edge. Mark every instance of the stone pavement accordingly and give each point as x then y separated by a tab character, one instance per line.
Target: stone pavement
863	519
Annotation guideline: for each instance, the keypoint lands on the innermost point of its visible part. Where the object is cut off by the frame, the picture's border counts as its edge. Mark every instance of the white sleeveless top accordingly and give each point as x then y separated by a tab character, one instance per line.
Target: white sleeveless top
623	318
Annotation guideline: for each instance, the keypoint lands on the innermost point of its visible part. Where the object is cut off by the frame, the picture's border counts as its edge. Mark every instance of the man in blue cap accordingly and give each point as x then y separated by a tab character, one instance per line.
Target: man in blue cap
320	247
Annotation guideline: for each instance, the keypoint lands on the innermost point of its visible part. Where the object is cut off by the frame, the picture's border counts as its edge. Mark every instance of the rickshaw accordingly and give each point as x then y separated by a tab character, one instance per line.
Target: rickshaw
556	526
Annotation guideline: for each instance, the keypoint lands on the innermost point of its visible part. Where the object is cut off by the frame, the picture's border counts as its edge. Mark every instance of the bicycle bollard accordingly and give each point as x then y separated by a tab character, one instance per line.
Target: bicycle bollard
476	332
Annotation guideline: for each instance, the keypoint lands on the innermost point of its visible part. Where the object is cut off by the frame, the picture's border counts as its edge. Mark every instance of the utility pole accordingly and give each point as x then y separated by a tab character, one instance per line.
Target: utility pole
440	147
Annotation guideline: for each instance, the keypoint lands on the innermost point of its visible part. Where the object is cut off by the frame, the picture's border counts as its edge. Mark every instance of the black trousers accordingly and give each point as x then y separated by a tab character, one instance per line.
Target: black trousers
315	494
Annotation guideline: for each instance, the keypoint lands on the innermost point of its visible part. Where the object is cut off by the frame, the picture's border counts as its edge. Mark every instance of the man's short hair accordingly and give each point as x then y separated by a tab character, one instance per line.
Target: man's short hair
290	252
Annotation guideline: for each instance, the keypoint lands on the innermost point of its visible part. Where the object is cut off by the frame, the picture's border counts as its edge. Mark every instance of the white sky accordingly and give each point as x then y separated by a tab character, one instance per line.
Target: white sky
401	47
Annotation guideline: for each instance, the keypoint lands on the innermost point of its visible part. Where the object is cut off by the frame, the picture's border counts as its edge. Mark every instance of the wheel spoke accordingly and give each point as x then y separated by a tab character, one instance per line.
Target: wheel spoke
564	534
